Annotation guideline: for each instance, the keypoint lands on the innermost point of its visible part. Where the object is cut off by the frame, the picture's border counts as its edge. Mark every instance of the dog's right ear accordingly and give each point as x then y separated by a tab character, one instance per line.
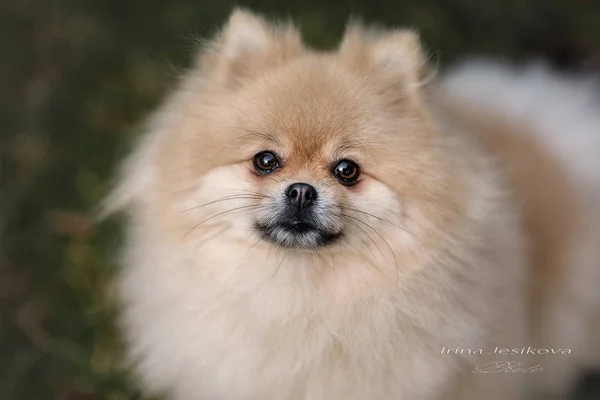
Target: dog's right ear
247	46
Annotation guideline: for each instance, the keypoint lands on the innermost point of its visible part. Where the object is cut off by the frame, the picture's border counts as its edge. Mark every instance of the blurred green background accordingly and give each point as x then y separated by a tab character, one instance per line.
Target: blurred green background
76	79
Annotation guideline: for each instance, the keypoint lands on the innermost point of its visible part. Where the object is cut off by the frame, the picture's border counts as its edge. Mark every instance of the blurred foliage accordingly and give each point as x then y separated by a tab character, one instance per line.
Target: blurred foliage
78	76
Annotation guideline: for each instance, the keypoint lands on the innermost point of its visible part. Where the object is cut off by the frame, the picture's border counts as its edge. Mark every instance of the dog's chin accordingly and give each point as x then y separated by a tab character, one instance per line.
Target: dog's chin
302	236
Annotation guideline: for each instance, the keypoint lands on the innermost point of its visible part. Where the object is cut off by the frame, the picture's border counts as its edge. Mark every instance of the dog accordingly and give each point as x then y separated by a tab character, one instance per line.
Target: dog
308	225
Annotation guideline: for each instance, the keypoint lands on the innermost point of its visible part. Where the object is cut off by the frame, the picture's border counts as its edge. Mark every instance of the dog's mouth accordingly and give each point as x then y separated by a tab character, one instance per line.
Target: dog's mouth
296	234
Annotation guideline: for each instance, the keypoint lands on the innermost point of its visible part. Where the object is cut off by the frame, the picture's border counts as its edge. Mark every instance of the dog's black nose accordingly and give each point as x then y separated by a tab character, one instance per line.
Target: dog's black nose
301	195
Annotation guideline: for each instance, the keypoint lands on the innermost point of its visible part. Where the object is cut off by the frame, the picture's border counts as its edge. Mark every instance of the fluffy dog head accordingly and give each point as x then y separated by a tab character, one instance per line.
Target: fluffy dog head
271	143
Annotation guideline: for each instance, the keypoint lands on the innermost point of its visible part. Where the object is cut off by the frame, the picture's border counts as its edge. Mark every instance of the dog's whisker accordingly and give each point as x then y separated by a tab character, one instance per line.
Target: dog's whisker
349	219
251	247
277	179
278	266
252	206
226	198
269	253
253	132
385	241
331	255
266	196
232	142
316	252
347	207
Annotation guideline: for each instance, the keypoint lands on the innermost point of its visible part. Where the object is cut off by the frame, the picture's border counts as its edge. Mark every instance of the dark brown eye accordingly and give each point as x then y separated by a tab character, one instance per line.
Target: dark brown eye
265	162
347	172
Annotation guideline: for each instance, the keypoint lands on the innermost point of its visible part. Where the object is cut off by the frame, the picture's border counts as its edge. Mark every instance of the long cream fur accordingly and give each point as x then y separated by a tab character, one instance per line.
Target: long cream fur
475	225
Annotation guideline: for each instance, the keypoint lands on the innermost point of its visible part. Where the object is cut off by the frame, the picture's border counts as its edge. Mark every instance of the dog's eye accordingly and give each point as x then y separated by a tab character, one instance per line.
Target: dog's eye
347	172
265	162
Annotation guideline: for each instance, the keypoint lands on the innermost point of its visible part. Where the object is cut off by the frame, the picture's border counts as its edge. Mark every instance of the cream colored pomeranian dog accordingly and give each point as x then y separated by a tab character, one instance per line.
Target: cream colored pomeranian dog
323	226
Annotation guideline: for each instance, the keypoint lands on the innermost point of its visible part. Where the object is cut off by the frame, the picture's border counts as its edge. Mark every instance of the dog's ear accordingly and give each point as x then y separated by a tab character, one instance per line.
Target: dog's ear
248	45
395	56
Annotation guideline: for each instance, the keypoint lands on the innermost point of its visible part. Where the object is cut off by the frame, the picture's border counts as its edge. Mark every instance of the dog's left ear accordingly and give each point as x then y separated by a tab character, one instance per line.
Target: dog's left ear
395	56
247	46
